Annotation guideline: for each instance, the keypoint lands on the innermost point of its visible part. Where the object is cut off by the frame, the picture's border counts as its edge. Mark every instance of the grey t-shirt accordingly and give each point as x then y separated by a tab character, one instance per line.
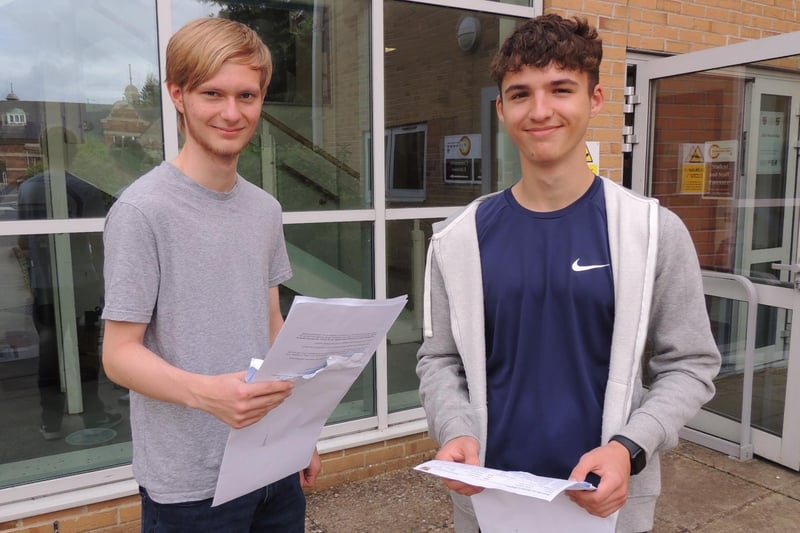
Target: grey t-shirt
196	265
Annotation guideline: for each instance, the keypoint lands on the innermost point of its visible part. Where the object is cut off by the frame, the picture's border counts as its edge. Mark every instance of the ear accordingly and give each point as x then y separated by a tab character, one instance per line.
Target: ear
176	94
498	104
598	98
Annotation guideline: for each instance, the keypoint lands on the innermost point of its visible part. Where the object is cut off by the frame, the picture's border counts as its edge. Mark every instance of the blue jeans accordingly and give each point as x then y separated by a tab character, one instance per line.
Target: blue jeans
279	507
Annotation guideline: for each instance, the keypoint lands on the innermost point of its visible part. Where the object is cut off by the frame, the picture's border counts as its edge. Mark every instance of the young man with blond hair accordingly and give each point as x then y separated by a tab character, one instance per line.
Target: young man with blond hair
194	257
548	302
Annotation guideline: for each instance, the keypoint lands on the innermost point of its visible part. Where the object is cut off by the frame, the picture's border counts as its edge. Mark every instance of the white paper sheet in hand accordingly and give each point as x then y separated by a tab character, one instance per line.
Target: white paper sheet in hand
521	502
323	347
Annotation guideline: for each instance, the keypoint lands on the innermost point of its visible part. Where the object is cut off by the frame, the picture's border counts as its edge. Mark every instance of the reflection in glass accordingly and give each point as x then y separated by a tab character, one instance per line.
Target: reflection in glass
312	149
728	319
95	78
334	261
771	171
405	162
692	113
406	246
54	392
55	192
769	378
80	119
450	96
721	161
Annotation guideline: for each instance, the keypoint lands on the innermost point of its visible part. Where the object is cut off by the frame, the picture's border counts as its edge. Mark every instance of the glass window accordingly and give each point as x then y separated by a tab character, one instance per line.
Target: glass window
728	175
405	162
67	417
452	94
312	149
334	261
85	103
80	113
406	246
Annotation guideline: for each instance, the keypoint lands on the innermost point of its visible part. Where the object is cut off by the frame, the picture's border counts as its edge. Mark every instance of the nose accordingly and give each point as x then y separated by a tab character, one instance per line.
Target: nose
230	110
540	109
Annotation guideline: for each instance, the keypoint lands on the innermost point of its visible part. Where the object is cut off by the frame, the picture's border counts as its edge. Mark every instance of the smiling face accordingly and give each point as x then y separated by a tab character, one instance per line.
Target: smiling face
546	112
220	116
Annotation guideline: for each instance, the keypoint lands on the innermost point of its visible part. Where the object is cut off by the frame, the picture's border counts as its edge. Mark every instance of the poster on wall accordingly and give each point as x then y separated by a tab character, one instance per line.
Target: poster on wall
722	159
462	158
692	169
771	139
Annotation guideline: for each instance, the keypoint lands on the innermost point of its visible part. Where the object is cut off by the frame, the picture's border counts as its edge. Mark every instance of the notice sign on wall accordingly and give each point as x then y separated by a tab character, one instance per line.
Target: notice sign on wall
722	157
593	156
462	158
693	169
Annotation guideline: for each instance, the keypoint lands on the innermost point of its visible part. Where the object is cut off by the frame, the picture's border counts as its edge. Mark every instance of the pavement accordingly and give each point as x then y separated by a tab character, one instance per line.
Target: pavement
703	491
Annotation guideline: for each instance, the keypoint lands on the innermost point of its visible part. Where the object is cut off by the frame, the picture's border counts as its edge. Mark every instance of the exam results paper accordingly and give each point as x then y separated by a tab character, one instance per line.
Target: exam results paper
516	502
323	346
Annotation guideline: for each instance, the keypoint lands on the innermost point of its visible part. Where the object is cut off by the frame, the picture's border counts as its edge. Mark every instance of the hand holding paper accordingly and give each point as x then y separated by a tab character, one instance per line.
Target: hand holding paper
463	449
513	501
612	463
323	347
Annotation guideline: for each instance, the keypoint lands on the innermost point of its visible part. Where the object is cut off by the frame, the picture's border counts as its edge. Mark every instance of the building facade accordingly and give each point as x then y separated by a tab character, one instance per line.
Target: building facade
712	135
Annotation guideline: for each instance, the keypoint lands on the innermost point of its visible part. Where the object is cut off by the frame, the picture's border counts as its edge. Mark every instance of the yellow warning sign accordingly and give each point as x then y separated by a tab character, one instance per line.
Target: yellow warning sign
693	169
693	179
696	156
593	156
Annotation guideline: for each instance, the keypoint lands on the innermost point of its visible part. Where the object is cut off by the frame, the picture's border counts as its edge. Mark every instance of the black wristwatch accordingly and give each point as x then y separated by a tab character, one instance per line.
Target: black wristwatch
638	457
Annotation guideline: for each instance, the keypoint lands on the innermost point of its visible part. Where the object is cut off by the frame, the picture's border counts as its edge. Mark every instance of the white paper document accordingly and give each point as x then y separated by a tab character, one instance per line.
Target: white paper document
323	347
522	502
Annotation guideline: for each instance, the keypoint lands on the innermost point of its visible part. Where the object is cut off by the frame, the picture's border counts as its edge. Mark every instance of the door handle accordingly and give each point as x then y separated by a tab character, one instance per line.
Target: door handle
794	267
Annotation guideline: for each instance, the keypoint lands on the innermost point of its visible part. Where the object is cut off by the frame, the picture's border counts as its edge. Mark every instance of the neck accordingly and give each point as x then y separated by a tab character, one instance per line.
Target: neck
546	191
212	171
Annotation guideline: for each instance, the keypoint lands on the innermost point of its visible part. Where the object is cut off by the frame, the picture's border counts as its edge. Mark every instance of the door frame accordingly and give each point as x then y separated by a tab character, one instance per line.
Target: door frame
784	449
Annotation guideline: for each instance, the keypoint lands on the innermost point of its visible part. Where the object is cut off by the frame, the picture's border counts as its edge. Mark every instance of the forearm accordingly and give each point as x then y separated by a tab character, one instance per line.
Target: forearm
440	368
445	396
275	316
683	357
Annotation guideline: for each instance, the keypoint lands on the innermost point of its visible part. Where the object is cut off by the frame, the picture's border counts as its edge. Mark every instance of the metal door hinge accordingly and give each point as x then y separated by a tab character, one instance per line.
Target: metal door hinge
629	138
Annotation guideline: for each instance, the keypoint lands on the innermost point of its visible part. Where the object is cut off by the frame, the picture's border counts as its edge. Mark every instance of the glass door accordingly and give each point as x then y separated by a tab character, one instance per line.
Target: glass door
721	150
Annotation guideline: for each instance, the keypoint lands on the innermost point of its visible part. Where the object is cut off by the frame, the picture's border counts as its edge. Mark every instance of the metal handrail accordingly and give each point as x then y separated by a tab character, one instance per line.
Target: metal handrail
751	297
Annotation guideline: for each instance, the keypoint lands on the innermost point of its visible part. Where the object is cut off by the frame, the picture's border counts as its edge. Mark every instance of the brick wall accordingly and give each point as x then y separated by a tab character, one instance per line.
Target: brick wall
677	27
665	26
122	515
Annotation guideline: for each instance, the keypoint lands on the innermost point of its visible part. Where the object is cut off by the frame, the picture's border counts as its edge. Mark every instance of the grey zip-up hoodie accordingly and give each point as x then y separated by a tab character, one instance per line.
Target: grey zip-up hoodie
659	305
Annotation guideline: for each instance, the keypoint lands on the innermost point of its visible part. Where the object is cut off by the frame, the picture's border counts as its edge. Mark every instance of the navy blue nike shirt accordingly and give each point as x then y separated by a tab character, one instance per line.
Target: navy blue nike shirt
549	307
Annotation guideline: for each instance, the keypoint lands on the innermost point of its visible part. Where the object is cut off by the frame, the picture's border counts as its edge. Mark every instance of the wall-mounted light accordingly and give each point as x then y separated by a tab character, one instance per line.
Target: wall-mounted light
468	32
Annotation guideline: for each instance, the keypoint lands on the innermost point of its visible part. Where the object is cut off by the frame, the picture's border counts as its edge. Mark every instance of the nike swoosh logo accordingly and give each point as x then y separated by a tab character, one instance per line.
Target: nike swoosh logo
580	268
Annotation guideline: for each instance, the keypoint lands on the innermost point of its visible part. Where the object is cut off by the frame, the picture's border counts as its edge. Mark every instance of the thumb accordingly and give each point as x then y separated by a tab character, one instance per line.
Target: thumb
580	471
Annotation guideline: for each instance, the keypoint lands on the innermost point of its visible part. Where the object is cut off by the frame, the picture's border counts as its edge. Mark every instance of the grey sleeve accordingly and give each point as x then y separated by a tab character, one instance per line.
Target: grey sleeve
683	357
130	266
443	383
280	268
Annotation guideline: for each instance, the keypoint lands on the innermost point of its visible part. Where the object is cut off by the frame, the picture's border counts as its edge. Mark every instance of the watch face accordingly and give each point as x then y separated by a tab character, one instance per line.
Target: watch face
638	457
638	461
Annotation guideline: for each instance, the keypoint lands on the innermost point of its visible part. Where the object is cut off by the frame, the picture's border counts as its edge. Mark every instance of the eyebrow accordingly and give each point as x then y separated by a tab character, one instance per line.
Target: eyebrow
555	83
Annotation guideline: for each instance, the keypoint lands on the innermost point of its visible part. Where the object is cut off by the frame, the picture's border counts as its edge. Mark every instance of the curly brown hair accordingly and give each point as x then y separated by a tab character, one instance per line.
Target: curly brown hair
572	44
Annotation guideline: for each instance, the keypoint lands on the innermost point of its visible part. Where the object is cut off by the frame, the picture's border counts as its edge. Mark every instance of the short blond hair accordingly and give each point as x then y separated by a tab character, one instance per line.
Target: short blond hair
198	50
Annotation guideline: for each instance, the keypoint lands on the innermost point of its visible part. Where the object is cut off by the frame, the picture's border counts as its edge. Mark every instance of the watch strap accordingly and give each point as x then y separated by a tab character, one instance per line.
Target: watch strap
638	456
